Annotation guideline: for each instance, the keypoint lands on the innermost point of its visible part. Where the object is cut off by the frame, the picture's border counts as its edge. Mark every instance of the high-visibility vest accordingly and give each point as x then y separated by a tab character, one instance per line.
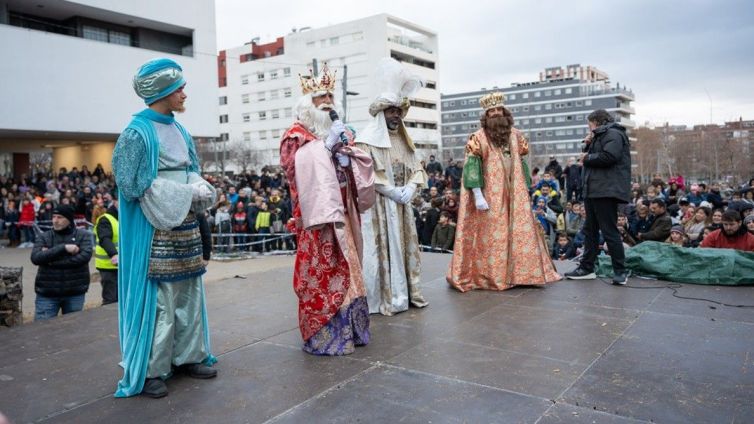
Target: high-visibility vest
101	259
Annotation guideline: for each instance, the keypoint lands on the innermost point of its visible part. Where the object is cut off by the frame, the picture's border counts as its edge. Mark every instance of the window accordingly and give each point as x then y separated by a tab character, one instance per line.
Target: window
273	74
276	134
557	92
224	136
334	41
548	106
526	122
286	72
94	33
261	96
244	98
247	136
579	103
512	97
568	90
463	102
537	94
244	79
223	119
537	107
288	112
287	92
122	38
444	104
275	114
587	102
549	133
262	116
274	94
579	117
246	117
525	95
560	119
548	120
323	43
263	135
452	103
538	121
526	108
548	92
260	76
223	100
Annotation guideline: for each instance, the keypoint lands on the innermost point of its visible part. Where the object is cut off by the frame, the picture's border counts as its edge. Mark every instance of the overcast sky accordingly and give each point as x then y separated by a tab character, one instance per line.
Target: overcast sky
678	57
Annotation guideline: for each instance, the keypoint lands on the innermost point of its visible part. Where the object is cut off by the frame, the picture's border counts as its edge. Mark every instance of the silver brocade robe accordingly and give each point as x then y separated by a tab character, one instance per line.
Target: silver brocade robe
392	263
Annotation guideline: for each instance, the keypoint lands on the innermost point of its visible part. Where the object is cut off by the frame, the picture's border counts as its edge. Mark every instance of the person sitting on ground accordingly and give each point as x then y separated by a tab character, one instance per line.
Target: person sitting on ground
695	226
733	235
564	249
444	233
661	224
678	237
749	223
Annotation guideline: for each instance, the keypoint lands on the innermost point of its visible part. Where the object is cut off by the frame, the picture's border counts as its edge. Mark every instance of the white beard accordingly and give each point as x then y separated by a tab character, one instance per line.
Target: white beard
316	120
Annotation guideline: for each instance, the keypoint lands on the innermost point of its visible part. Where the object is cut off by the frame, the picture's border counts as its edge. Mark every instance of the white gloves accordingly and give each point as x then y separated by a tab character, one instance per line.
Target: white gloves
393	193
408	193
343	160
200	192
479	201
333	136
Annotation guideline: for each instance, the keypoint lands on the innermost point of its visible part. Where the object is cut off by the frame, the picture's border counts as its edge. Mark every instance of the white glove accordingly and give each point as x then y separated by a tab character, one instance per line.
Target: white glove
479	201
200	192
343	160
408	193
333	136
393	193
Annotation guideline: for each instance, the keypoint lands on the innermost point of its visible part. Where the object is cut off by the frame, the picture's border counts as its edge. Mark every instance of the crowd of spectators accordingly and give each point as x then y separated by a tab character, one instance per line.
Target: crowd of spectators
253	208
665	210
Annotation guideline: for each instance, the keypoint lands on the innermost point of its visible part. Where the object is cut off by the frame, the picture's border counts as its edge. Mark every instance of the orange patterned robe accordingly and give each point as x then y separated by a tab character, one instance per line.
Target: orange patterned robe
504	246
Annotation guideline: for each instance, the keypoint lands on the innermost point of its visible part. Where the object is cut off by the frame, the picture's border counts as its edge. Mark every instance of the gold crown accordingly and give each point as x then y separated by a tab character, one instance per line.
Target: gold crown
496	99
326	82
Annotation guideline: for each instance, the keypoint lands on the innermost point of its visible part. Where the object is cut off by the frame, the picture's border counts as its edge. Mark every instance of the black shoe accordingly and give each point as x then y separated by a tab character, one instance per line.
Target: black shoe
154	388
580	274
198	371
620	278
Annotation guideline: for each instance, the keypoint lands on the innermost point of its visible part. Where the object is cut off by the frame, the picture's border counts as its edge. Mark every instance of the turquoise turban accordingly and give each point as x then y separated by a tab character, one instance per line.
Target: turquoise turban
157	79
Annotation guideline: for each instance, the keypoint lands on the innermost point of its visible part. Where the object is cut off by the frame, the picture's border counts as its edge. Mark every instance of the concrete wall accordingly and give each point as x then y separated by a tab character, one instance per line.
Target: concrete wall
61	83
89	155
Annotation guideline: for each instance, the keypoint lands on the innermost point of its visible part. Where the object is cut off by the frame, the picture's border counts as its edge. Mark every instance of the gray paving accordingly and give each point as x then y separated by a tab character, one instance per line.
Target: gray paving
574	352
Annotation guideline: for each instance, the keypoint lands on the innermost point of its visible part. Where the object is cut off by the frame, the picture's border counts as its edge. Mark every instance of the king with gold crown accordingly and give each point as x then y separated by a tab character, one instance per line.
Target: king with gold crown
499	243
331	183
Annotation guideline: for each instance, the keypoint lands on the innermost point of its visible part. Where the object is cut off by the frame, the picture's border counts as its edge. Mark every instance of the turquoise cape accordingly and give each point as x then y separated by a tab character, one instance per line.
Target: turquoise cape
137	296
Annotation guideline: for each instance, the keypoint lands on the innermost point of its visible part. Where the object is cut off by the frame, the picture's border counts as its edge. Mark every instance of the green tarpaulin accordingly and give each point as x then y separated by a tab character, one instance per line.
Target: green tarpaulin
685	265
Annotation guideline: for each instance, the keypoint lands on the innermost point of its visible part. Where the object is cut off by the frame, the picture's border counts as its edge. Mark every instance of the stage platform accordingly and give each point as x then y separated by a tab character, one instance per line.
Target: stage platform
574	352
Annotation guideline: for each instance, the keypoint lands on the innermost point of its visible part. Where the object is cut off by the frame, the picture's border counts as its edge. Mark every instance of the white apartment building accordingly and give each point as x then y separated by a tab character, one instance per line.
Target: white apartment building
259	84
67	69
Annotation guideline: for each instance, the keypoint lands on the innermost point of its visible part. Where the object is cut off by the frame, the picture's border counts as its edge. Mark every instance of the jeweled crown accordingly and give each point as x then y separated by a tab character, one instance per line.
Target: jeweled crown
312	84
492	100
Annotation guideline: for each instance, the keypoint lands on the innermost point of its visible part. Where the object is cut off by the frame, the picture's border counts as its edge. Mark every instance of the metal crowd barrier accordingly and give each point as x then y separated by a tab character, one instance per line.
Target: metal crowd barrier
230	246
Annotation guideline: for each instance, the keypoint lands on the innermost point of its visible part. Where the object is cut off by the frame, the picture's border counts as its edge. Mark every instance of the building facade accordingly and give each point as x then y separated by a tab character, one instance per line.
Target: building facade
259	84
68	68
551	111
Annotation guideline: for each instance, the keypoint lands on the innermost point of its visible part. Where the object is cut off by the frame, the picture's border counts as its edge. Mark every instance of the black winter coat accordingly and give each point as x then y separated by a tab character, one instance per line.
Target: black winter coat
60	273
607	166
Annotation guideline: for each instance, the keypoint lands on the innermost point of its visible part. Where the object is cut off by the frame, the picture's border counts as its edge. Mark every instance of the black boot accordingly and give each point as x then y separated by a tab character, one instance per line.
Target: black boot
198	371
154	388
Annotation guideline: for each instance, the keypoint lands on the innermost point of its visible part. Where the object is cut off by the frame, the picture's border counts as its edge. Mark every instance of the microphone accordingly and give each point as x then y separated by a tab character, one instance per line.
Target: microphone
334	117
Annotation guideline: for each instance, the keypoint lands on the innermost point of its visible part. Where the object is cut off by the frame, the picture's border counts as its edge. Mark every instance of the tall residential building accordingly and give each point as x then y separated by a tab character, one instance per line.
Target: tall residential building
259	84
67	70
551	112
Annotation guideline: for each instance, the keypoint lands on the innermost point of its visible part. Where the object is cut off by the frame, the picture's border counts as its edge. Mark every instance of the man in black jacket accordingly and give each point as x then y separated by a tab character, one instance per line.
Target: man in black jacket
607	183
661	223
573	180
63	255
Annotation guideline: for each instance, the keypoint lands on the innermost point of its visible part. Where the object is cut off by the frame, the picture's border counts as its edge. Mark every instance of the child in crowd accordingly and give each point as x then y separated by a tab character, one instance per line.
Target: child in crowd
564	249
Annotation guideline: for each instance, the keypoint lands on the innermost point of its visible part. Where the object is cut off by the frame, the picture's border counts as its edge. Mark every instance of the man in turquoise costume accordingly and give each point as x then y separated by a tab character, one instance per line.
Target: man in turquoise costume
161	310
